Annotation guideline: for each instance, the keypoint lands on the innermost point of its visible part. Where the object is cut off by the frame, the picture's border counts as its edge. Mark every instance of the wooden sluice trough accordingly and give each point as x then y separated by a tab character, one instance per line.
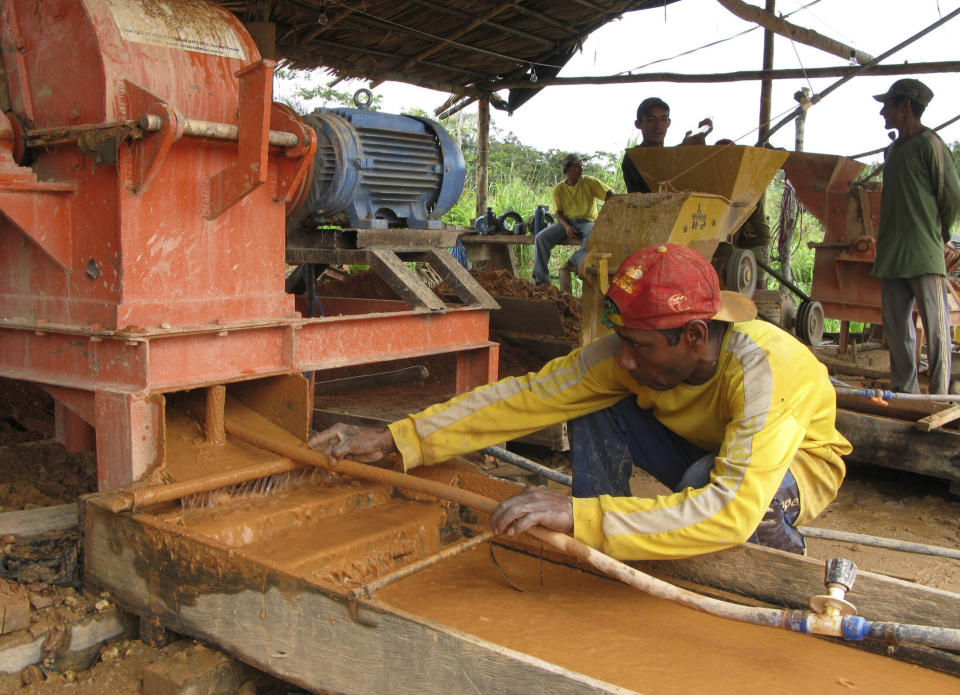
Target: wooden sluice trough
357	587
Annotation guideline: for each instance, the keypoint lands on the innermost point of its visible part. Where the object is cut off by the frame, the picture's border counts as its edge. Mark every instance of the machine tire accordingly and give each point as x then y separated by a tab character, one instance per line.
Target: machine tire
508	217
810	320
741	272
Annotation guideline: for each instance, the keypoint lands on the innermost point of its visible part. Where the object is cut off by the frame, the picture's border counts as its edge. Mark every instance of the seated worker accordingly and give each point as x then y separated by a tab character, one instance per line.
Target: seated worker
575	206
733	414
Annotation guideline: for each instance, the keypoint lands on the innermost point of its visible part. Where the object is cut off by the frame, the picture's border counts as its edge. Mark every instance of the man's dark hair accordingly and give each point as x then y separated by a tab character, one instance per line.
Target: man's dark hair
714	330
915	106
649	103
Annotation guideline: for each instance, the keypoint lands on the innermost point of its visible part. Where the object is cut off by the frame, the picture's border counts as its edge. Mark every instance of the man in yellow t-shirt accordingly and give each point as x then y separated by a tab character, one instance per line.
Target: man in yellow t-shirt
575	206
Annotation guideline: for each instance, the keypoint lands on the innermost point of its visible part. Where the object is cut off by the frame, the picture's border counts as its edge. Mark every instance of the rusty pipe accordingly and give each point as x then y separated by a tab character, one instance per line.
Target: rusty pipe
152	123
138	498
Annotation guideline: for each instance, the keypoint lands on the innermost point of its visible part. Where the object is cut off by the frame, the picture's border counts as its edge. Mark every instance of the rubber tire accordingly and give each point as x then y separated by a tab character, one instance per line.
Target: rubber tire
740	273
810	322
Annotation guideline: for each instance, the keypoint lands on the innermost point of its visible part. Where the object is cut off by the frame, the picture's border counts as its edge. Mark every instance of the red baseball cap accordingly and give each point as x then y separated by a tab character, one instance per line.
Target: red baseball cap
666	286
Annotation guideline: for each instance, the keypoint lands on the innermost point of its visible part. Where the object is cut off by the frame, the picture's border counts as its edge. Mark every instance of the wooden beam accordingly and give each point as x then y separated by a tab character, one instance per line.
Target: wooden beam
539	16
771	22
740	76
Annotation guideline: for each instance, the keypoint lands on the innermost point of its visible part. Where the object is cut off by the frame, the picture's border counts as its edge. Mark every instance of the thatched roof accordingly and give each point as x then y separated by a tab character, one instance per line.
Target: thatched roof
465	47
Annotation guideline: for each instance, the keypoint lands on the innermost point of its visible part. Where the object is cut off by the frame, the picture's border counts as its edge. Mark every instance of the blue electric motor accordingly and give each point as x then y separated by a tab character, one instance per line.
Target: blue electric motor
378	170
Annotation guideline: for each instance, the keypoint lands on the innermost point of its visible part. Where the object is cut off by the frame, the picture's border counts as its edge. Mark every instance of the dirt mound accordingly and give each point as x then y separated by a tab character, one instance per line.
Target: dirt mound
503	283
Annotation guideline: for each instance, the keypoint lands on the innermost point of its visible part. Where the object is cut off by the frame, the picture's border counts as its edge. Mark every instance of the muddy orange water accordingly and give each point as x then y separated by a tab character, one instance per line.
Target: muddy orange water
617	634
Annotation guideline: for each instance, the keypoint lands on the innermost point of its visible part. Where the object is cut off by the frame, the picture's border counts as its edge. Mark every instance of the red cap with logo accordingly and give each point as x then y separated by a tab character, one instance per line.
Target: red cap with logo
665	286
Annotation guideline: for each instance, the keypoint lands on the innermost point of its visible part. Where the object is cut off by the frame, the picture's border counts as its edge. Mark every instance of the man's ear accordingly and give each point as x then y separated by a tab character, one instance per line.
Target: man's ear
636	124
695	334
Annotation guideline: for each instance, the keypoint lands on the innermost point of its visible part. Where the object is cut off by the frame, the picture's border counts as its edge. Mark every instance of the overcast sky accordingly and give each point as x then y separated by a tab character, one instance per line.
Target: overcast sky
590	118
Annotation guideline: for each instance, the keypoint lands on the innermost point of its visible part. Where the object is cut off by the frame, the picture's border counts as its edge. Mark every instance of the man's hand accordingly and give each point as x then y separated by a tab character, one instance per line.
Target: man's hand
364	444
533	507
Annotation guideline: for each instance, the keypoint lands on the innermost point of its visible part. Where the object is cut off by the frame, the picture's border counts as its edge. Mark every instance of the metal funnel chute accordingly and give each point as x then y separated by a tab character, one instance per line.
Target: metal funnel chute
736	172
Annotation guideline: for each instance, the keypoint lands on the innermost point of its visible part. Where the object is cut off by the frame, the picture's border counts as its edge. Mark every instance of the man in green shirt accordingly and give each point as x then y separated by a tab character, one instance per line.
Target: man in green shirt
921	200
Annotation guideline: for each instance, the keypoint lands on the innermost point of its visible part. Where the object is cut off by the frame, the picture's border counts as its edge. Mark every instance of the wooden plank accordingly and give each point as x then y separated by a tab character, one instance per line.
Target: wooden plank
786	579
898	444
403	281
291	629
905	410
523	315
32	522
938	420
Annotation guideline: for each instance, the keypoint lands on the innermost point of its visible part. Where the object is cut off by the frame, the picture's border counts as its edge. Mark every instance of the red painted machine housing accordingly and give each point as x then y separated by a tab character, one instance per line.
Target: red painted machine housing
829	186
157	255
142	253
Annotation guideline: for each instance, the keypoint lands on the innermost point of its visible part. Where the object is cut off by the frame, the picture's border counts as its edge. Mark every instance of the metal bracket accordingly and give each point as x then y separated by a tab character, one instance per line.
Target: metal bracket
249	172
150	154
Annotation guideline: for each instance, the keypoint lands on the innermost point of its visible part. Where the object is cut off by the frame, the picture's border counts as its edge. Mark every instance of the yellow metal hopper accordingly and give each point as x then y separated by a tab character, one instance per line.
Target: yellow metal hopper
703	194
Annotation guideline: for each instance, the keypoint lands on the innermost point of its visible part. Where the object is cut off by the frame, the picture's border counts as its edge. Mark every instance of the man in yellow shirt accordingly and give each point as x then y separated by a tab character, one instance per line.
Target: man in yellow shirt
734	415
575	206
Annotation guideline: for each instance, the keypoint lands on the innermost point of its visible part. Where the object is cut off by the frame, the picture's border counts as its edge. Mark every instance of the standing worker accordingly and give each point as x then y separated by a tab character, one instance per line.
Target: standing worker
920	201
733	414
653	120
575	204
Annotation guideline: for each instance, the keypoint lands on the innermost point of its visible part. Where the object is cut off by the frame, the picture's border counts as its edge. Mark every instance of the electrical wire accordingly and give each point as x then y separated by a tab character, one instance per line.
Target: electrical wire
711	44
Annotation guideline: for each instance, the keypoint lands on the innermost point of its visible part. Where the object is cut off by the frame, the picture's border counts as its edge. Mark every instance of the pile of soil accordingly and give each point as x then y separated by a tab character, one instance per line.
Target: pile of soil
503	283
36	471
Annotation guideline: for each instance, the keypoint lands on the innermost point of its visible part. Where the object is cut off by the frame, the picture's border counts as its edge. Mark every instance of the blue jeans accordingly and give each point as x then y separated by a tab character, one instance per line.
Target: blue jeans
607	444
550	237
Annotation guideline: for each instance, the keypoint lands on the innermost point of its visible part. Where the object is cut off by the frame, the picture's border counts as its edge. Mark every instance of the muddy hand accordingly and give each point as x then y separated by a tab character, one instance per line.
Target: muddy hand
364	444
533	507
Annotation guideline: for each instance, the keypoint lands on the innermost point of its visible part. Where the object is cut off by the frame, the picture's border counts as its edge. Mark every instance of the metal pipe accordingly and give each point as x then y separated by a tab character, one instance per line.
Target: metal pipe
796	290
878	542
890	395
137	498
525	463
151	123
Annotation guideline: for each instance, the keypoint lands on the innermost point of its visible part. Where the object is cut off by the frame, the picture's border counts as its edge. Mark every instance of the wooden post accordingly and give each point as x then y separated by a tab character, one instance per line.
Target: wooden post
802	97
786	267
766	85
483	152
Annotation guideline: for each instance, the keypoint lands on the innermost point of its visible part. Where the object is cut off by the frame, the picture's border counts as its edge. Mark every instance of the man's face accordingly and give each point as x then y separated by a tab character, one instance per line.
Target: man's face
574	172
894	114
652	361
653	125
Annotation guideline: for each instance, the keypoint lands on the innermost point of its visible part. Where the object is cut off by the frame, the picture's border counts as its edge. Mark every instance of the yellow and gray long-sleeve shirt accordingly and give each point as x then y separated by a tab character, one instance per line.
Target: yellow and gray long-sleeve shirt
768	408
